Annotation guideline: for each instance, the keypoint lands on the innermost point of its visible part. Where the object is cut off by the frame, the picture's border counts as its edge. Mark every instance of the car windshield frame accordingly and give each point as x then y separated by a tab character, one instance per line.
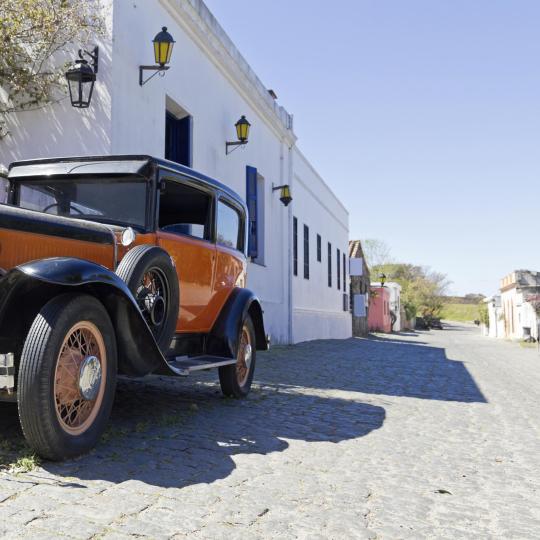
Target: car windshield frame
17	183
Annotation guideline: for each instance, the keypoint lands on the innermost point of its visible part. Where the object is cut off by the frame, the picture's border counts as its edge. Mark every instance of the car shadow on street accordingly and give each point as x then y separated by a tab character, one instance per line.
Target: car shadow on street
173	433
379	365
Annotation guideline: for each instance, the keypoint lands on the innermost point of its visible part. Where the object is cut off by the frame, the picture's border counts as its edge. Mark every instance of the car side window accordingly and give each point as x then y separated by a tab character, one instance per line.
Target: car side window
185	210
229	226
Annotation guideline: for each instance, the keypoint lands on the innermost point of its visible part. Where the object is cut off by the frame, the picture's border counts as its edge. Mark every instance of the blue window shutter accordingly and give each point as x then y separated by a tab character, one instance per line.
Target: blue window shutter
251	200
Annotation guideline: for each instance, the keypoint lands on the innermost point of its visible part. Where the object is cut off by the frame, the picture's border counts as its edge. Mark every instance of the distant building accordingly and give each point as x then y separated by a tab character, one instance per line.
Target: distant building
359	288
520	319
379	317
496	327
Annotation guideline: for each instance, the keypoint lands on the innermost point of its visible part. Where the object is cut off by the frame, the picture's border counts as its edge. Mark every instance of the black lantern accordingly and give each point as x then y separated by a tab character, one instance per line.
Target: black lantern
242	132
163	46
81	79
242	129
285	195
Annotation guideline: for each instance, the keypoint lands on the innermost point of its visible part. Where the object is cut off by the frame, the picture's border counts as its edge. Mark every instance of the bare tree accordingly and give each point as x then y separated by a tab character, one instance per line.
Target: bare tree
377	253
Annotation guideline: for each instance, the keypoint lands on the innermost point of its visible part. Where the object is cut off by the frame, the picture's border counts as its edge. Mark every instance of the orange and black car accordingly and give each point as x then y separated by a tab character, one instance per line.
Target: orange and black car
117	265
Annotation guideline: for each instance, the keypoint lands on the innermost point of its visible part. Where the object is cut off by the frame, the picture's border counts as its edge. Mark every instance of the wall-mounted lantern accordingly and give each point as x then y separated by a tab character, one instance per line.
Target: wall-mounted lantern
242	132
81	79
163	46
382	277
285	195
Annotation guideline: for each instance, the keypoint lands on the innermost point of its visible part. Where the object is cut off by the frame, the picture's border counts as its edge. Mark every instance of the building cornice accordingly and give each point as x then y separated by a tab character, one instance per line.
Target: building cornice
199	23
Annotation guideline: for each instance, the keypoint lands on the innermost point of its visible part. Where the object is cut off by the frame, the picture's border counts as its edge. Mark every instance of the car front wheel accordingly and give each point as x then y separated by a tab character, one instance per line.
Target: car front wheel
67	377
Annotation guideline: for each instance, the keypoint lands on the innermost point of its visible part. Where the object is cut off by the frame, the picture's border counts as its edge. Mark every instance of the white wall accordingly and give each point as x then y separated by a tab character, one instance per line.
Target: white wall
318	309
395	303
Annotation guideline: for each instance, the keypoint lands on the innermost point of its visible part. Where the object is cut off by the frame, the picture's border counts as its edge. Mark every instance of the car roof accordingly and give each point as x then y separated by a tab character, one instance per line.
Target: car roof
139	164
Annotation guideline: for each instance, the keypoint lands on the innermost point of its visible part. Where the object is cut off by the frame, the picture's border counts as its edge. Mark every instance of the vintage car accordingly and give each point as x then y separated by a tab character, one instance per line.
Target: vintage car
117	265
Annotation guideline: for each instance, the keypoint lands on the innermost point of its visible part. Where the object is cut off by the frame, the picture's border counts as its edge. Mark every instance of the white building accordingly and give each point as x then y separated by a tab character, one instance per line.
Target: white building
520	319
299	251
496	328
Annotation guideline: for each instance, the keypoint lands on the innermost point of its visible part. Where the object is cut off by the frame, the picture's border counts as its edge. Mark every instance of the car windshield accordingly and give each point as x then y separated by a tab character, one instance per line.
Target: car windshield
119	201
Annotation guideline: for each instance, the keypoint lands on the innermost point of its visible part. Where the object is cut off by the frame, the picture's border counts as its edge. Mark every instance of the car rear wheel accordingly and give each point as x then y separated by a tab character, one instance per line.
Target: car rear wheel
151	277
67	376
236	379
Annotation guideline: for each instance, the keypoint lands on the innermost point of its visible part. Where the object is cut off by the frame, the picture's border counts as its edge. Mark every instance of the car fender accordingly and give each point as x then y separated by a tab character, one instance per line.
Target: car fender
223	338
25	289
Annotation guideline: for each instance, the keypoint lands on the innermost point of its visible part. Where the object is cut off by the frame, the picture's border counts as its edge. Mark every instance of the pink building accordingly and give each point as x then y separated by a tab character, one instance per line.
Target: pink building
379	319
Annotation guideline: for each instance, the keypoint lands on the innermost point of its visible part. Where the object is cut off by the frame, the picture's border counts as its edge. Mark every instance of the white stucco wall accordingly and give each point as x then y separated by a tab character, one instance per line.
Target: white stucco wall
318	309
395	303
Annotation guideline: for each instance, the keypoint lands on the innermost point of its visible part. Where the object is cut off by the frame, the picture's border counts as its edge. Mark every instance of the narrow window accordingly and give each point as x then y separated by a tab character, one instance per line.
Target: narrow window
338	274
306	252
255	204
319	248
344	273
229	227
329	264
295	246
251	200
178	138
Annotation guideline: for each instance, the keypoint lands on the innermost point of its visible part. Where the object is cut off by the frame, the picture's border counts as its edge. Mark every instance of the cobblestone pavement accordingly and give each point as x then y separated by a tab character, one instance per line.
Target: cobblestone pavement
427	435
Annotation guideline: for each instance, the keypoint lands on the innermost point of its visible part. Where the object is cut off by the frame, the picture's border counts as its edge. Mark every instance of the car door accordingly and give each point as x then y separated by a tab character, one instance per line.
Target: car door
230	257
186	232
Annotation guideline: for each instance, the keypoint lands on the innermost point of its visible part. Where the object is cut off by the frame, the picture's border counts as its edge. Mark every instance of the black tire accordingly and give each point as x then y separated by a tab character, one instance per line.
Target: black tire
151	259
44	419
234	381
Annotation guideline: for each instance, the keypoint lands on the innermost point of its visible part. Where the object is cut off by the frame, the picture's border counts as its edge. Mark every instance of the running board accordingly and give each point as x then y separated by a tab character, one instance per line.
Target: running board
184	365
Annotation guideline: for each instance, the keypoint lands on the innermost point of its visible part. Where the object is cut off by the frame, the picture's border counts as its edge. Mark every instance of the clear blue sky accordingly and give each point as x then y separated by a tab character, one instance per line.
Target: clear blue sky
423	116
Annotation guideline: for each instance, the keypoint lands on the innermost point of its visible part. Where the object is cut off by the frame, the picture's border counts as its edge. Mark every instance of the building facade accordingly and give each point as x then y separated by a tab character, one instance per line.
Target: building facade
298	251
496	326
519	314
359	288
379	316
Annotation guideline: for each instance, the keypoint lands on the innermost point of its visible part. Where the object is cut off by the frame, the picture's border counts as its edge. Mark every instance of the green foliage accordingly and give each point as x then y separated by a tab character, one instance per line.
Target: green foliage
422	290
483	315
410	310
460	312
34	37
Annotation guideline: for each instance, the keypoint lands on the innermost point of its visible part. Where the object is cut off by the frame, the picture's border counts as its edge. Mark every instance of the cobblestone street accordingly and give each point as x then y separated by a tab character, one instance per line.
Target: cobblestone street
426	435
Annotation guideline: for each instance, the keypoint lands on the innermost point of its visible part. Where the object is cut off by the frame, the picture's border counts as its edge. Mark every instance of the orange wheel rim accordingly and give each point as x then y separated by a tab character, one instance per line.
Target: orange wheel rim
83	345
243	360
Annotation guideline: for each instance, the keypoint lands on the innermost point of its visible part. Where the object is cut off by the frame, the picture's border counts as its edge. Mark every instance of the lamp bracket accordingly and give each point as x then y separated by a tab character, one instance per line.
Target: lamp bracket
93	55
275	188
235	144
157	69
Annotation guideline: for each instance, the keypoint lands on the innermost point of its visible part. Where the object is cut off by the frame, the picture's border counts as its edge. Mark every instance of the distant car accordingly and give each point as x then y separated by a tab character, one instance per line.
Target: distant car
435	323
421	324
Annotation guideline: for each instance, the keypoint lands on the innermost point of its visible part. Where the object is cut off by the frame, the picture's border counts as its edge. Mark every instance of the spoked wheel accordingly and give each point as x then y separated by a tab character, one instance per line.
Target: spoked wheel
80	377
244	357
236	379
153	296
67	376
151	277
